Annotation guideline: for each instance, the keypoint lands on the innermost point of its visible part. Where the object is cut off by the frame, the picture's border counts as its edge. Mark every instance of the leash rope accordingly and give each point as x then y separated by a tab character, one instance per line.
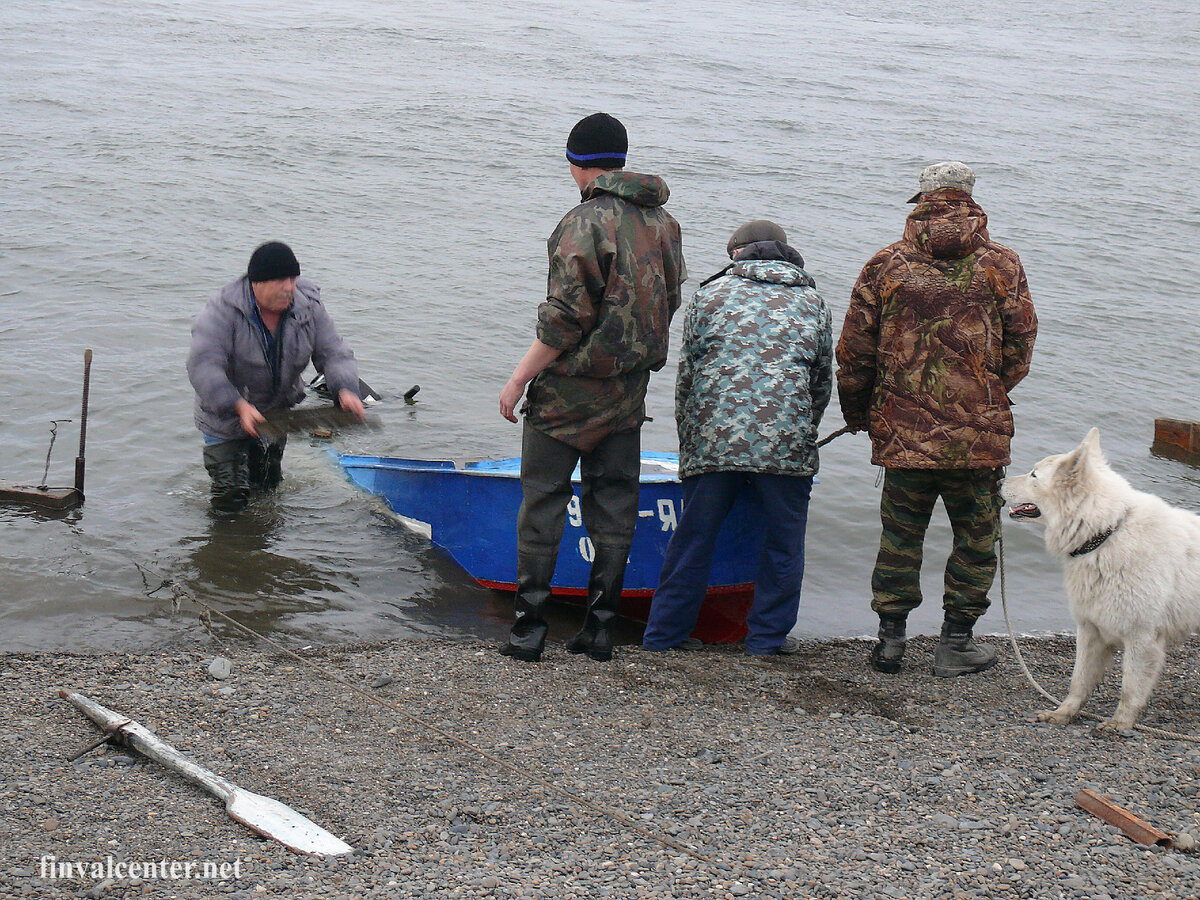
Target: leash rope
1012	638
180	593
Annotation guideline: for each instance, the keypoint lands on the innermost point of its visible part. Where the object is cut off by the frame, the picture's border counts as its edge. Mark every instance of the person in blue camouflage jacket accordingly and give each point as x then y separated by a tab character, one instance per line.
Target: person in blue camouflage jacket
616	264
755	376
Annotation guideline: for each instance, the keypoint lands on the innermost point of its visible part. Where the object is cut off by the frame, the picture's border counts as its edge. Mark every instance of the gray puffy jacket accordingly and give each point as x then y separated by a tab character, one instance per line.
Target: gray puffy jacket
228	362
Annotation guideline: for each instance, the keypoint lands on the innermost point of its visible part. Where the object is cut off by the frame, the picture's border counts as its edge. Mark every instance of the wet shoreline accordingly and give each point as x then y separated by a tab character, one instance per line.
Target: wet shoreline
789	776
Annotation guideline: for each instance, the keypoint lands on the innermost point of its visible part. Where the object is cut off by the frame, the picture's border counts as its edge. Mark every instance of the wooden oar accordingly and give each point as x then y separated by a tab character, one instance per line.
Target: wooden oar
311	419
268	817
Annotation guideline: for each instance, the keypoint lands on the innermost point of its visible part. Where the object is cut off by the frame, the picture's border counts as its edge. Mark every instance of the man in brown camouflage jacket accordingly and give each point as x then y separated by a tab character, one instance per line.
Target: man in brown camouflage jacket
940	329
616	266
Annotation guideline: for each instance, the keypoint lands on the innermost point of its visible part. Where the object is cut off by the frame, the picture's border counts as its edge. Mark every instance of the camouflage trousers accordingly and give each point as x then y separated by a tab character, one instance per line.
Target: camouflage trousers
972	501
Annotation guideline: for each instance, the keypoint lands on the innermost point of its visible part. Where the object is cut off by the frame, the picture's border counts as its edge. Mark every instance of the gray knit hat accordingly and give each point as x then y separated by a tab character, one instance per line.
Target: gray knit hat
751	232
945	175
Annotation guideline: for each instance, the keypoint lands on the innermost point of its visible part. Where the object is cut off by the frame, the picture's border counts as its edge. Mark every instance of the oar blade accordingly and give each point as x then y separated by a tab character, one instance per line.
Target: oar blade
309	418
280	822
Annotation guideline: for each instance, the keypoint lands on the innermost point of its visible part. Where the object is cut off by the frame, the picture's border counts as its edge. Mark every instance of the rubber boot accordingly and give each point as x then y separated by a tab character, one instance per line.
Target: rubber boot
266	464
604	600
528	635
887	654
957	653
228	468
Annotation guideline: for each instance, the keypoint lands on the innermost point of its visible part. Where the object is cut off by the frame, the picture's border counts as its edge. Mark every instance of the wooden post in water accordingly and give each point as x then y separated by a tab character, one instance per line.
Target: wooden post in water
79	460
44	497
1177	439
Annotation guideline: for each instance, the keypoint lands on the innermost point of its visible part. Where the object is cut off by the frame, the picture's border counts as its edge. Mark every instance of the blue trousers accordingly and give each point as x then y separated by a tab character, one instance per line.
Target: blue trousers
707	499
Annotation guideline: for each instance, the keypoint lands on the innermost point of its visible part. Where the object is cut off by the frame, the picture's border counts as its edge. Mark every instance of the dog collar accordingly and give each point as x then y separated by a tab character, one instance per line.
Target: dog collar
1094	542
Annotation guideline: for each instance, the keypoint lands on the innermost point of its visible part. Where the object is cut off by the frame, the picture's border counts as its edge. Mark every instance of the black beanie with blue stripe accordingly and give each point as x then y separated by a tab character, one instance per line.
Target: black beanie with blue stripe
598	141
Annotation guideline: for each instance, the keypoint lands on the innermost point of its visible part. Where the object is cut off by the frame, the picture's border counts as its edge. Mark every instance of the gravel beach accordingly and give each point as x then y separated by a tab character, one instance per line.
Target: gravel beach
802	776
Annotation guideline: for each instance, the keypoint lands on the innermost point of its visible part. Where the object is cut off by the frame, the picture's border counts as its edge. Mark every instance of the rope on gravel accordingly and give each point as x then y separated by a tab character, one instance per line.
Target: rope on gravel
180	593
1012	637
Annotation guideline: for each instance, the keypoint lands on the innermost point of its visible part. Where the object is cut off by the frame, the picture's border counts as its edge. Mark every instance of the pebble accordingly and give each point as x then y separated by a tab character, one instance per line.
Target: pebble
220	668
814	778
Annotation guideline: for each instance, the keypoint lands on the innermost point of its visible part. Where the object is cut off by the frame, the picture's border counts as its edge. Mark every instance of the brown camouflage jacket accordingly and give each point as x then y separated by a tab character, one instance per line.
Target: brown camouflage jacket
616	264
940	329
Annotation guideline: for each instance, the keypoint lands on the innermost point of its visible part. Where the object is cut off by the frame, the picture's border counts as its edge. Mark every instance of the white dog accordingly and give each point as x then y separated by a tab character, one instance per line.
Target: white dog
1132	570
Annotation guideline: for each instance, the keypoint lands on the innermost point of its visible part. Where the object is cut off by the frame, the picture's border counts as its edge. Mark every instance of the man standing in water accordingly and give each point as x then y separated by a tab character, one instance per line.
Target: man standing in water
940	329
616	266
250	344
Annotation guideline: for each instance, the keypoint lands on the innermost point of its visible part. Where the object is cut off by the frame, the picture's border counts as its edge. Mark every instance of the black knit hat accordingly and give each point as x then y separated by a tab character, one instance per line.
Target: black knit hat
272	260
598	142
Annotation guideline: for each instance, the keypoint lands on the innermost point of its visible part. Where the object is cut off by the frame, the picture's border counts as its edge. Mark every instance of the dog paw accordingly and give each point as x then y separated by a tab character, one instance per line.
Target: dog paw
1116	726
1054	716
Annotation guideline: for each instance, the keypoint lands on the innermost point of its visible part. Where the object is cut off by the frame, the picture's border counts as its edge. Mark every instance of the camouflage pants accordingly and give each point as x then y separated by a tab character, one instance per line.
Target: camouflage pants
972	501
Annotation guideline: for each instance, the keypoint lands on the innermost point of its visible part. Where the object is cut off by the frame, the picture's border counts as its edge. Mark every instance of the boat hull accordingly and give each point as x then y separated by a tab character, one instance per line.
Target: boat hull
470	511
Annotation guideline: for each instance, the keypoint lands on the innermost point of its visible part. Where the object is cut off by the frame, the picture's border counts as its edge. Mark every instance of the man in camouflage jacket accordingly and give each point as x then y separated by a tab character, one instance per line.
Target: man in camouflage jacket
616	264
755	376
940	329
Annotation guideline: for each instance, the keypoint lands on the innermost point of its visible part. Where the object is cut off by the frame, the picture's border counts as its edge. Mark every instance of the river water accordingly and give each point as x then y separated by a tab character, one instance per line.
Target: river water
412	156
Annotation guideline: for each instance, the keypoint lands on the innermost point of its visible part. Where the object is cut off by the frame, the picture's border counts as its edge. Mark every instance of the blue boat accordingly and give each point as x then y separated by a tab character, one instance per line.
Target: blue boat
470	511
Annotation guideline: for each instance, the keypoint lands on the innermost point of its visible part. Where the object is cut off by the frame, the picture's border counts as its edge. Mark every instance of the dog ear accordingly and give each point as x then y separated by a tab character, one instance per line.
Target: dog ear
1075	463
1070	465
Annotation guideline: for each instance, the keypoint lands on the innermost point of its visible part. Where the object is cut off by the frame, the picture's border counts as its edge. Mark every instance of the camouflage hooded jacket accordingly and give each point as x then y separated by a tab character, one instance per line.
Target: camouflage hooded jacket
616	264
940	328
755	372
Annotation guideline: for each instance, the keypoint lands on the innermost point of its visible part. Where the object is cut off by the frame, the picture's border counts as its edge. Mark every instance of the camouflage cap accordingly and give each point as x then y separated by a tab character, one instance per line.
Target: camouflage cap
751	232
951	174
